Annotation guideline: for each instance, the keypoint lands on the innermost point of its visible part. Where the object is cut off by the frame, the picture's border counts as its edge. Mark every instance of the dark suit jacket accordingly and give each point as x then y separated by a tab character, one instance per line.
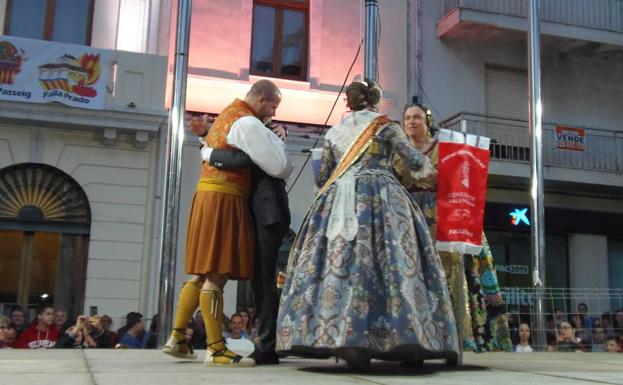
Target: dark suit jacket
269	199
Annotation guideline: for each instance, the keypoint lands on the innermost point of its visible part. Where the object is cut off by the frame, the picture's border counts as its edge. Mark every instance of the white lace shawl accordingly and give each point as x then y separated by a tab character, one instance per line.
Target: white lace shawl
342	135
343	217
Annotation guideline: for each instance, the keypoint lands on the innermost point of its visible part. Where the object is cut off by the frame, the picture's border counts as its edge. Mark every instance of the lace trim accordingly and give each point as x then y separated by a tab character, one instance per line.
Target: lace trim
343	217
344	133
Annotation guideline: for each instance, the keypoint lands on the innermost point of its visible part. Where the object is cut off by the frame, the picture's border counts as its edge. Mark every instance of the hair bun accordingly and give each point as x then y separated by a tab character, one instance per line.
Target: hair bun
362	94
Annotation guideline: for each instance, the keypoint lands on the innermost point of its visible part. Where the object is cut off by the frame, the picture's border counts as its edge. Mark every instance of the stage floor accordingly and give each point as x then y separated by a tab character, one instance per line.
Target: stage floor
138	367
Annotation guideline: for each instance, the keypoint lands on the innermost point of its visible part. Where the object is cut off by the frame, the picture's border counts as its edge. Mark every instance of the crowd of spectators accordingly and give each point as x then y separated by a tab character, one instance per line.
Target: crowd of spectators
52	328
572	332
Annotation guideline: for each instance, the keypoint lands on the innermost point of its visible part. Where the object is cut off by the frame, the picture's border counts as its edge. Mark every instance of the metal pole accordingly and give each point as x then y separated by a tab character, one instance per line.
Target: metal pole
173	168
536	170
371	68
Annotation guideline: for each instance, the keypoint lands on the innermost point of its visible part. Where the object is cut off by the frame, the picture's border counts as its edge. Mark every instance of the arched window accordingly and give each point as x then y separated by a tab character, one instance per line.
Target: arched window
45	222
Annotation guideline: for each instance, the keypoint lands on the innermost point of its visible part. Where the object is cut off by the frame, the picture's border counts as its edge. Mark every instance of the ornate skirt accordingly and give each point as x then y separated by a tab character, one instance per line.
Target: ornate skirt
383	291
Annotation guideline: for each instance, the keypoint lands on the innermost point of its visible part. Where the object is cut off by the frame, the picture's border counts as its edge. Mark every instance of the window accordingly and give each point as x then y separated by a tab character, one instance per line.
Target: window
506	92
67	21
45	221
280	38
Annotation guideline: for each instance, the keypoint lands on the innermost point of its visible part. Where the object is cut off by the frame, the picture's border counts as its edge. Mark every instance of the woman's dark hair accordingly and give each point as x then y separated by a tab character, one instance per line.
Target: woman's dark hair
362	95
153	326
430	122
249	323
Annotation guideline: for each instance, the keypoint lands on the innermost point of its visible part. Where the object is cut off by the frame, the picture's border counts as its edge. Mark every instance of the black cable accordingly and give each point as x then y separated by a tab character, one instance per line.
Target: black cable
424	96
328	117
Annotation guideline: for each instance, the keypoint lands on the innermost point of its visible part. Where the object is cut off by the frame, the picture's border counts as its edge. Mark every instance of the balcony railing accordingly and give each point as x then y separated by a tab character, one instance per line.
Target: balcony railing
510	141
598	14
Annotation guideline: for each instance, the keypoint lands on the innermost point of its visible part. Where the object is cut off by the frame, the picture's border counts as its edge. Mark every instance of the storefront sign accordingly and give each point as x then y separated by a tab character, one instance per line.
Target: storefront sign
463	166
570	138
37	71
519	217
513	269
516	296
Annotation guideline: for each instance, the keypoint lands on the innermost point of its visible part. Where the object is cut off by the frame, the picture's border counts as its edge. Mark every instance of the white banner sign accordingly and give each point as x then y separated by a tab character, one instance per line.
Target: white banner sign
36	71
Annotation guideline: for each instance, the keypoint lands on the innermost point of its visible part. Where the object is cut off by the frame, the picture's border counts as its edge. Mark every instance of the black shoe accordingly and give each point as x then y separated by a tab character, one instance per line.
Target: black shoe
412	364
265	358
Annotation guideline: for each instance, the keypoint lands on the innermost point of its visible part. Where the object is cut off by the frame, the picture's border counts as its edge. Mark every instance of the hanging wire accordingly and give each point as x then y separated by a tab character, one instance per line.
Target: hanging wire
426	98
337	98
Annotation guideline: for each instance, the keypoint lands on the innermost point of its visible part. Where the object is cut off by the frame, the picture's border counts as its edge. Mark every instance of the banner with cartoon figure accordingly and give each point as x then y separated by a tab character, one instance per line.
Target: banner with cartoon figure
461	193
36	71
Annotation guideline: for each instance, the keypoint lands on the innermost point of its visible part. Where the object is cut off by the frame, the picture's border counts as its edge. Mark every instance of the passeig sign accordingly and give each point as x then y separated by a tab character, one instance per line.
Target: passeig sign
37	71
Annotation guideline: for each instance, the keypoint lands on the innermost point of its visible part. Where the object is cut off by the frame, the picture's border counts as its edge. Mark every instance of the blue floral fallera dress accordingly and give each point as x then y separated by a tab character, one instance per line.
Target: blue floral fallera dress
380	288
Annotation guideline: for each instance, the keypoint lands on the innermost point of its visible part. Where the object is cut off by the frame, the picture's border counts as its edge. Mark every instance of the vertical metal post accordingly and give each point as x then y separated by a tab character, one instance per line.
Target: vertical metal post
173	168
413	24
536	170
371	68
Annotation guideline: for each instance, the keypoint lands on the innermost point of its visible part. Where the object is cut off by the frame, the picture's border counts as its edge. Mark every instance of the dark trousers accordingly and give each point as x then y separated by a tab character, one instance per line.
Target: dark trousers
268	240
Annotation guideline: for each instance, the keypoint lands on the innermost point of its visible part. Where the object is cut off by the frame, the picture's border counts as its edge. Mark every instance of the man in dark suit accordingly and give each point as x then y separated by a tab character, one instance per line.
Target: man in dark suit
271	215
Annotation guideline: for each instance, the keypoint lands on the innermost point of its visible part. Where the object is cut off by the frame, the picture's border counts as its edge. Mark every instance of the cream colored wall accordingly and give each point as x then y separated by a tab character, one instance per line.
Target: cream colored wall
141	80
2	14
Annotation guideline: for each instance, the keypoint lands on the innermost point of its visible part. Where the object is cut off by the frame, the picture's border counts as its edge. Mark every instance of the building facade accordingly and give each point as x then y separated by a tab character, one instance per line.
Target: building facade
113	157
475	72
79	185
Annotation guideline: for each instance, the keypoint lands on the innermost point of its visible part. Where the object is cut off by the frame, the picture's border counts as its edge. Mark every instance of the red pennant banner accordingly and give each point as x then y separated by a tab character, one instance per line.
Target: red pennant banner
461	194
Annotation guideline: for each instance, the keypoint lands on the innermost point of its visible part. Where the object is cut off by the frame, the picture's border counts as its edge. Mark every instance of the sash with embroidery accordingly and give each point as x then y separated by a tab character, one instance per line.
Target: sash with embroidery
356	149
354	152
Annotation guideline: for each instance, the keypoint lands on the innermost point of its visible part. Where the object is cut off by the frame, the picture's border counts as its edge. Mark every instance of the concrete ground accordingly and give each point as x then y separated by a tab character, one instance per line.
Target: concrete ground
113	367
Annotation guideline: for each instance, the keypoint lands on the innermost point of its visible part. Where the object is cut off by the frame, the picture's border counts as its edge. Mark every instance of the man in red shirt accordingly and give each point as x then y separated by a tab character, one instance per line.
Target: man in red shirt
40	335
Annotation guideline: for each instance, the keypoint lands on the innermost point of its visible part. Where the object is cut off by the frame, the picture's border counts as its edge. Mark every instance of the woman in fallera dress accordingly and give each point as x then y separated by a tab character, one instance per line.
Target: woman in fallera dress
364	280
481	308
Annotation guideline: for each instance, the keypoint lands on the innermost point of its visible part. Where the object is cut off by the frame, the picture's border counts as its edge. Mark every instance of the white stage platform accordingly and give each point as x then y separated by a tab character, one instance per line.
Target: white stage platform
142	367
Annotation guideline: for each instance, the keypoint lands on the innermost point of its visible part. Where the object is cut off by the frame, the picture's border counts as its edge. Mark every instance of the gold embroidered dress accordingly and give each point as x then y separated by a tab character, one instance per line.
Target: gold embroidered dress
485	326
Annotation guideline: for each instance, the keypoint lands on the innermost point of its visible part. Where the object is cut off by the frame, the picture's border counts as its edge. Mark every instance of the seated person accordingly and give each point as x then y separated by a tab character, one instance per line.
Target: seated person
41	334
599	337
612	345
78	335
237	340
567	340
524	339
236	326
135	336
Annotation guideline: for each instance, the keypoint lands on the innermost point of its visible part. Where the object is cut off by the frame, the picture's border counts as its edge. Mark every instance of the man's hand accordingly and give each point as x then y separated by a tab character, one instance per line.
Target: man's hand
96	322
199	125
279	130
82	321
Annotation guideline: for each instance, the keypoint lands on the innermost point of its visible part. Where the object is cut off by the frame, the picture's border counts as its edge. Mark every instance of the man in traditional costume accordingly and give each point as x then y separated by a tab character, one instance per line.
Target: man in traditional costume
220	244
271	220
